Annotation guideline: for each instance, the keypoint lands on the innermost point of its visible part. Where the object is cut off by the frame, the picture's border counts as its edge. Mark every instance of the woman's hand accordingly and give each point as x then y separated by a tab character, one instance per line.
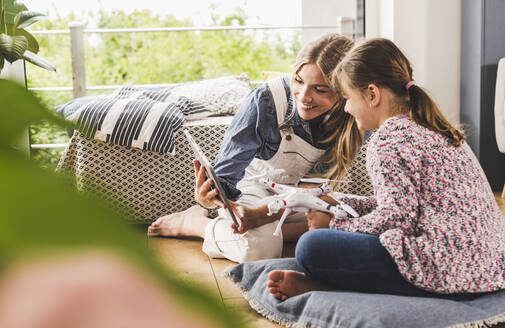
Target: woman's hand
318	220
204	193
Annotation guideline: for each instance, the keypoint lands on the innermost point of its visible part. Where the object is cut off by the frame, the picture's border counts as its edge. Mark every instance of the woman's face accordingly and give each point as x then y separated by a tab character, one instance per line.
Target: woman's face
313	95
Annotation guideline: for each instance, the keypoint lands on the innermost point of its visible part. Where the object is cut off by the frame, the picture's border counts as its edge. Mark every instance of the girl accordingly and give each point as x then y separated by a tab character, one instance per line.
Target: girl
432	227
289	124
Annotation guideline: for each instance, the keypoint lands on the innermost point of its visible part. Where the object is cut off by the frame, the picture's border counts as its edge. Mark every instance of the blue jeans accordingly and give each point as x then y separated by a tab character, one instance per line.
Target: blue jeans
355	261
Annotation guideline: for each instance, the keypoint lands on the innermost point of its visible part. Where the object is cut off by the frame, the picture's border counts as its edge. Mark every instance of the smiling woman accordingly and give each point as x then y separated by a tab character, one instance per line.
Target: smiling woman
284	129
312	92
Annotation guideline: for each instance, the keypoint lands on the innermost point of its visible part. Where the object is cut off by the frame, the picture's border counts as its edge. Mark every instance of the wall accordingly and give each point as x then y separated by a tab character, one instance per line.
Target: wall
324	12
428	32
454	47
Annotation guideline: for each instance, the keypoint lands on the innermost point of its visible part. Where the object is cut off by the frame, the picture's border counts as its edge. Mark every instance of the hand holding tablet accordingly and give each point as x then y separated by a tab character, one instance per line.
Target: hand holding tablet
209	170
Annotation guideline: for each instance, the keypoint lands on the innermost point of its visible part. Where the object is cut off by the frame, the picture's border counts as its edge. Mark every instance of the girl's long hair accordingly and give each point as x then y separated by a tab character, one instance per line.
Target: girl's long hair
379	61
338	128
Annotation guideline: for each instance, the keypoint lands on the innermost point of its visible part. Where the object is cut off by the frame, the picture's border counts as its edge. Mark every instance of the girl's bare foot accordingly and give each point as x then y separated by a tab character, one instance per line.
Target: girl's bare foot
189	223
284	284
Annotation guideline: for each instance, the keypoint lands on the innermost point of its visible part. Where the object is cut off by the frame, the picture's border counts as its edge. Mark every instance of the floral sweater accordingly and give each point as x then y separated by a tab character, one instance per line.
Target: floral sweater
432	209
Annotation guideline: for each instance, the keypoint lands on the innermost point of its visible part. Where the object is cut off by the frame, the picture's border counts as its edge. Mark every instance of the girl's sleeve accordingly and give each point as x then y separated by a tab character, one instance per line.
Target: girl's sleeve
242	140
361	204
396	178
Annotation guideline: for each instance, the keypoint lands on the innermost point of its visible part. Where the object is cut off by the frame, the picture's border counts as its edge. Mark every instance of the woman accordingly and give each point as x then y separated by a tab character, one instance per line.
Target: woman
290	125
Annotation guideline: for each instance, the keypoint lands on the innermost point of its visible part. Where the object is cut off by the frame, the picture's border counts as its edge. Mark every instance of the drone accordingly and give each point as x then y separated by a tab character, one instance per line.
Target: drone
301	199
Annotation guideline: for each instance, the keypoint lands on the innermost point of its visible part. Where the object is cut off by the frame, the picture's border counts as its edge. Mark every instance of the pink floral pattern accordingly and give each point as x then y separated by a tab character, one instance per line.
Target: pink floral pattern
433	210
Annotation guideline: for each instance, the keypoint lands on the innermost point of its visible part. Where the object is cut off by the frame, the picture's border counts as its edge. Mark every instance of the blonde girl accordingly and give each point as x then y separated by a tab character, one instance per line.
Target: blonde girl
432	227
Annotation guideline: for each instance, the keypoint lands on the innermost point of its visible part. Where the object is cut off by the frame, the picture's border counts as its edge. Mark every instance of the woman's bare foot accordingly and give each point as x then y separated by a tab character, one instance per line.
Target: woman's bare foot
284	284
189	223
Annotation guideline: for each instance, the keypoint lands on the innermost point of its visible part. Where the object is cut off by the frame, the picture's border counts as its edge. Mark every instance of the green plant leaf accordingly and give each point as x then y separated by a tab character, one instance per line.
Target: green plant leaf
33	44
12	47
18	109
42	212
12	8
39	61
27	18
3	28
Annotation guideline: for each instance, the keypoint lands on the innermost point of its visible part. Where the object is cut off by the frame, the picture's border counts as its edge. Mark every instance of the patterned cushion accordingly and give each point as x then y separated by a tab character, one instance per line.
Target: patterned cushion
144	185
359	181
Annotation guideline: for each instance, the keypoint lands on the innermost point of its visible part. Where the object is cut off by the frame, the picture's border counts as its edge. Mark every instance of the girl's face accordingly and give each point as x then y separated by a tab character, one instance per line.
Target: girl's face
313	95
358	106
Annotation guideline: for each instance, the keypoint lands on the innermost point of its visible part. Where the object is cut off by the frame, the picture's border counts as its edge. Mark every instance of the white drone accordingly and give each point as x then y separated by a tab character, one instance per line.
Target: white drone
301	199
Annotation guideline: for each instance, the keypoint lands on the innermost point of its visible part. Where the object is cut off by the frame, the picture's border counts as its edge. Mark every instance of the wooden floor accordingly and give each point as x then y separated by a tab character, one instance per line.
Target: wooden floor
187	258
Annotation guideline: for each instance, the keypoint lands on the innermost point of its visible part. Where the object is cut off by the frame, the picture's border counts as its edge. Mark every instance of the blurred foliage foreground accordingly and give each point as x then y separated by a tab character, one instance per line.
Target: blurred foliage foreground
152	57
42	216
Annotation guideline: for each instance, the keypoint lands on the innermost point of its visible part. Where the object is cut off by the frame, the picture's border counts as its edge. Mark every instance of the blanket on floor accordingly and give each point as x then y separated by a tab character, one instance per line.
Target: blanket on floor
353	309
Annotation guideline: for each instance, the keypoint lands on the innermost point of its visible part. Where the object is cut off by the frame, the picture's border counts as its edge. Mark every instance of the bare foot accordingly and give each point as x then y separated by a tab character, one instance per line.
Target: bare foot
250	218
284	284
190	223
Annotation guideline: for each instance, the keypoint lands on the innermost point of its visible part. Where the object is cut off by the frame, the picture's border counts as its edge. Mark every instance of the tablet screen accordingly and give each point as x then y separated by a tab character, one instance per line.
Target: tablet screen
200	156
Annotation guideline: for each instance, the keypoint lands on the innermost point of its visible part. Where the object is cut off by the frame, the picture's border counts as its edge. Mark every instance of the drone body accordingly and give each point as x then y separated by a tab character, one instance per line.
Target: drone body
302	200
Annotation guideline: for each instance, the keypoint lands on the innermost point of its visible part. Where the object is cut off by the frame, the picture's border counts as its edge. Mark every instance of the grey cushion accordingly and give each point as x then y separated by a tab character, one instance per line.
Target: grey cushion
220	96
352	309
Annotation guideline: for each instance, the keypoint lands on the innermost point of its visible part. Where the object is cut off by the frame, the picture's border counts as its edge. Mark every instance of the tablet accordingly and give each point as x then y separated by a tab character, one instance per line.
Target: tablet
200	156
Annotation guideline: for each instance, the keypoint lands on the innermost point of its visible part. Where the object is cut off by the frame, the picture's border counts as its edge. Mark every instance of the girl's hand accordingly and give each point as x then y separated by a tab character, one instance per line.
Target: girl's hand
318	220
247	217
204	193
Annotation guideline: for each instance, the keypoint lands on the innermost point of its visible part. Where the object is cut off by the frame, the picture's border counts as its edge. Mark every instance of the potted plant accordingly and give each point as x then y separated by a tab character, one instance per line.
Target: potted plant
15	41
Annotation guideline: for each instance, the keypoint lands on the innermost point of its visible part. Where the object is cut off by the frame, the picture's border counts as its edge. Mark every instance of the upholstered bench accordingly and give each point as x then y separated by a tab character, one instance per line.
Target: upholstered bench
142	185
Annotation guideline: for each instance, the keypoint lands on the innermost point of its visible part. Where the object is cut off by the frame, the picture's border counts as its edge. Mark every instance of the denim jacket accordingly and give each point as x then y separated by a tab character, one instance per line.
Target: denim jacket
254	133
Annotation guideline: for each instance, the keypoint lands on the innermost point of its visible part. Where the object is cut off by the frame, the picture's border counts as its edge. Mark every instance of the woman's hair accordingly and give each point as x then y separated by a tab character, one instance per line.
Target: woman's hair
338	129
379	61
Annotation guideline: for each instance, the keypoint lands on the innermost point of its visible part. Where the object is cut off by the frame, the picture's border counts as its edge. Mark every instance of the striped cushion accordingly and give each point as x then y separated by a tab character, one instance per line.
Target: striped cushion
135	121
148	118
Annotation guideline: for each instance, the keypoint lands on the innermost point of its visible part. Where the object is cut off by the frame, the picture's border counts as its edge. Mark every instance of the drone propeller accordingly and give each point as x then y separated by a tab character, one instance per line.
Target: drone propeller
270	172
349	210
321	180
315	180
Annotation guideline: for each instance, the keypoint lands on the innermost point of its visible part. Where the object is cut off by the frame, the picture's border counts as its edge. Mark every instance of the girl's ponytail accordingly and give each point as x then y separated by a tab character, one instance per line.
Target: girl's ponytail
425	112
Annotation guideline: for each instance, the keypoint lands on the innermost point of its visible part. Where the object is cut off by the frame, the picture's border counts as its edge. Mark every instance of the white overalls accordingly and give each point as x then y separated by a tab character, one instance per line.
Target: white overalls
296	157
